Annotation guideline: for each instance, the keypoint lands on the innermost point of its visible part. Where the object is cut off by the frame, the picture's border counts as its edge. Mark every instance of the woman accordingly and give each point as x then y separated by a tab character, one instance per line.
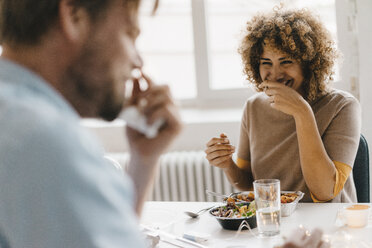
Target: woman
297	128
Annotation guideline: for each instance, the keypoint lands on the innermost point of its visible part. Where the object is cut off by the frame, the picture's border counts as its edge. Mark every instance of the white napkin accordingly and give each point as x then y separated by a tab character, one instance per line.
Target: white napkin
137	121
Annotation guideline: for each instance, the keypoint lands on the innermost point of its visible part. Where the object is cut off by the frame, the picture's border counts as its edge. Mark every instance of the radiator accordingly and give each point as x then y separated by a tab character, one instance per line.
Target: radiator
184	176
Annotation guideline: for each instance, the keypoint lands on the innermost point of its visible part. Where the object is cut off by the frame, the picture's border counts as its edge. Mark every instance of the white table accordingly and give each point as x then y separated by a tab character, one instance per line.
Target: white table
169	217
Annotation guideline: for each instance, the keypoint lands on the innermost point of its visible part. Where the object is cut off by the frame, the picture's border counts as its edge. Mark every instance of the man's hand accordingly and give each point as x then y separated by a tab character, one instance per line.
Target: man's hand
302	238
154	103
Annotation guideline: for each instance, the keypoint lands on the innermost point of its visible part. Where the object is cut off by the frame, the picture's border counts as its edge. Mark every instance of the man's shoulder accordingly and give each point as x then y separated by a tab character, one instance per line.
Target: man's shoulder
34	124
32	114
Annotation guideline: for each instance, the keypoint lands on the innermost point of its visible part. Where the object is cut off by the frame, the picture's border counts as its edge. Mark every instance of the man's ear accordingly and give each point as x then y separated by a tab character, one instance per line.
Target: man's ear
74	21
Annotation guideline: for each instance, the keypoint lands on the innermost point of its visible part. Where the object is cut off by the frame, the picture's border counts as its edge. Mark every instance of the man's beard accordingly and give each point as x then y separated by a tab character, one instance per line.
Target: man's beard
90	92
110	108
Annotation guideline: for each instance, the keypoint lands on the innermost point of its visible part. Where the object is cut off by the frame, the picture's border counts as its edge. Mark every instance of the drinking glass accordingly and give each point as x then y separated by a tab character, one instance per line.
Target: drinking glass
267	198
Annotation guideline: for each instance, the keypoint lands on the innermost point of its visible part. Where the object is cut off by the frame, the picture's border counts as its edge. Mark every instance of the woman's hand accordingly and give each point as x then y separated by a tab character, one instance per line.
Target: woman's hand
317	167
284	98
219	152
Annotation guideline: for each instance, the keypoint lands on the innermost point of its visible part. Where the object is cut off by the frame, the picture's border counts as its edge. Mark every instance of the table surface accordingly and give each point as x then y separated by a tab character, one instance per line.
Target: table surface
169	217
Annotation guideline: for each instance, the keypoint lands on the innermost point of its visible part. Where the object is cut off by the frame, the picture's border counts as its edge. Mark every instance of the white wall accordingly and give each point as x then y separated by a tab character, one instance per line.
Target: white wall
199	127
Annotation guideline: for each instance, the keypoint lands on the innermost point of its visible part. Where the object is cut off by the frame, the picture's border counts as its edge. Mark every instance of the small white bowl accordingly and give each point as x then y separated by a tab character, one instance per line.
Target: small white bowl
356	215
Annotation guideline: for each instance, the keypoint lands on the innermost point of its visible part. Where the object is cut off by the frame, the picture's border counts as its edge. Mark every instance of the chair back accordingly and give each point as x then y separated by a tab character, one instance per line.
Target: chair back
361	171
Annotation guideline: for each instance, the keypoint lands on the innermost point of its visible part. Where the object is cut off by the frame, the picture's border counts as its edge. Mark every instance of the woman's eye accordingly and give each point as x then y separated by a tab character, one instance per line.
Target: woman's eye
287	62
265	63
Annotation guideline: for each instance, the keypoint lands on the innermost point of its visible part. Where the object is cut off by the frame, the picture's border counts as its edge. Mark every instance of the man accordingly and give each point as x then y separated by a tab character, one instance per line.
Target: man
63	59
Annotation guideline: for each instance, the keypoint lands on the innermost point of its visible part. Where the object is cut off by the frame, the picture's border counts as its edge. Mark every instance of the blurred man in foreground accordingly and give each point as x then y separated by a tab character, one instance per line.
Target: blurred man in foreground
62	60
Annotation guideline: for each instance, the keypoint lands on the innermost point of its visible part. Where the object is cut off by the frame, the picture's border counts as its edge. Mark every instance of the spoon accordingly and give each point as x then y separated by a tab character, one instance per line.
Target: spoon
196	215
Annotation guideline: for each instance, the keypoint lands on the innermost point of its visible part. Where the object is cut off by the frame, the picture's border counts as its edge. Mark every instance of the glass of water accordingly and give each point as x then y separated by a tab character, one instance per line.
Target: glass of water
267	198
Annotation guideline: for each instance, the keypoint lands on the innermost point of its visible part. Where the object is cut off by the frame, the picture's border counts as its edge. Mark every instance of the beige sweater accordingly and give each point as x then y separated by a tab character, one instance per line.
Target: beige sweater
268	140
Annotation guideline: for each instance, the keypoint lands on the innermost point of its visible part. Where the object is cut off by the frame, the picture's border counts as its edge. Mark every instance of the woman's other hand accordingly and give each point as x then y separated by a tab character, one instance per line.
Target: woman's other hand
219	151
284	98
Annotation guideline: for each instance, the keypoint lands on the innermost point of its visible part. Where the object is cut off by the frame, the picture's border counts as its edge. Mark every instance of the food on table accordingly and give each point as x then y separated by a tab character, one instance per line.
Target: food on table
233	210
234	216
241	197
248	197
288	197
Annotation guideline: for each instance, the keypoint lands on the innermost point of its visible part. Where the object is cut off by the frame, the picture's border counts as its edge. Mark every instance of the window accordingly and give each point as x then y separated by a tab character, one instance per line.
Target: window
192	45
226	20
167	46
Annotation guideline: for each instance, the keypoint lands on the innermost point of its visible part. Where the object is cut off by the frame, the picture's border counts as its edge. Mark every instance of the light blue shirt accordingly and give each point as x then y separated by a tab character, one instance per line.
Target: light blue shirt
56	189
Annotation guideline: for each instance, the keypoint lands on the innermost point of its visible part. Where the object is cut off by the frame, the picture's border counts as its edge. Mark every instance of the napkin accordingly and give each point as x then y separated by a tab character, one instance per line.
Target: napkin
136	120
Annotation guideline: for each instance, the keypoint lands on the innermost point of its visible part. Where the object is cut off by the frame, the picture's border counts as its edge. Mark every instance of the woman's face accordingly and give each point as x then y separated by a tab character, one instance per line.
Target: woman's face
276	66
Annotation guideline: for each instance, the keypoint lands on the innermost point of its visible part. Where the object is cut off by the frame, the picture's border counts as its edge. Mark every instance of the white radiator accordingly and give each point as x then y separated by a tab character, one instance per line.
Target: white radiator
184	176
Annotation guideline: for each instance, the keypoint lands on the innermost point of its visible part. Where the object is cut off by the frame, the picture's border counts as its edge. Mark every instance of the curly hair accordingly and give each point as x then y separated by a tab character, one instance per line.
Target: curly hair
299	34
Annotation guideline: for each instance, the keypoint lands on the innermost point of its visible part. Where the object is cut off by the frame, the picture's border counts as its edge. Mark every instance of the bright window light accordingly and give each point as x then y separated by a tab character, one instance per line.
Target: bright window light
166	45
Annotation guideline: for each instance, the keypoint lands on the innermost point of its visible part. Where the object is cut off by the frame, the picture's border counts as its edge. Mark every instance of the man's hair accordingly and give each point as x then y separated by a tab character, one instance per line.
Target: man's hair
297	33
26	21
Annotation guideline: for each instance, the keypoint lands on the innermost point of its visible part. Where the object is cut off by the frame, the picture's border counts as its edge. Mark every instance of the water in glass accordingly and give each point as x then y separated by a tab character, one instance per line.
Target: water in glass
268	221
